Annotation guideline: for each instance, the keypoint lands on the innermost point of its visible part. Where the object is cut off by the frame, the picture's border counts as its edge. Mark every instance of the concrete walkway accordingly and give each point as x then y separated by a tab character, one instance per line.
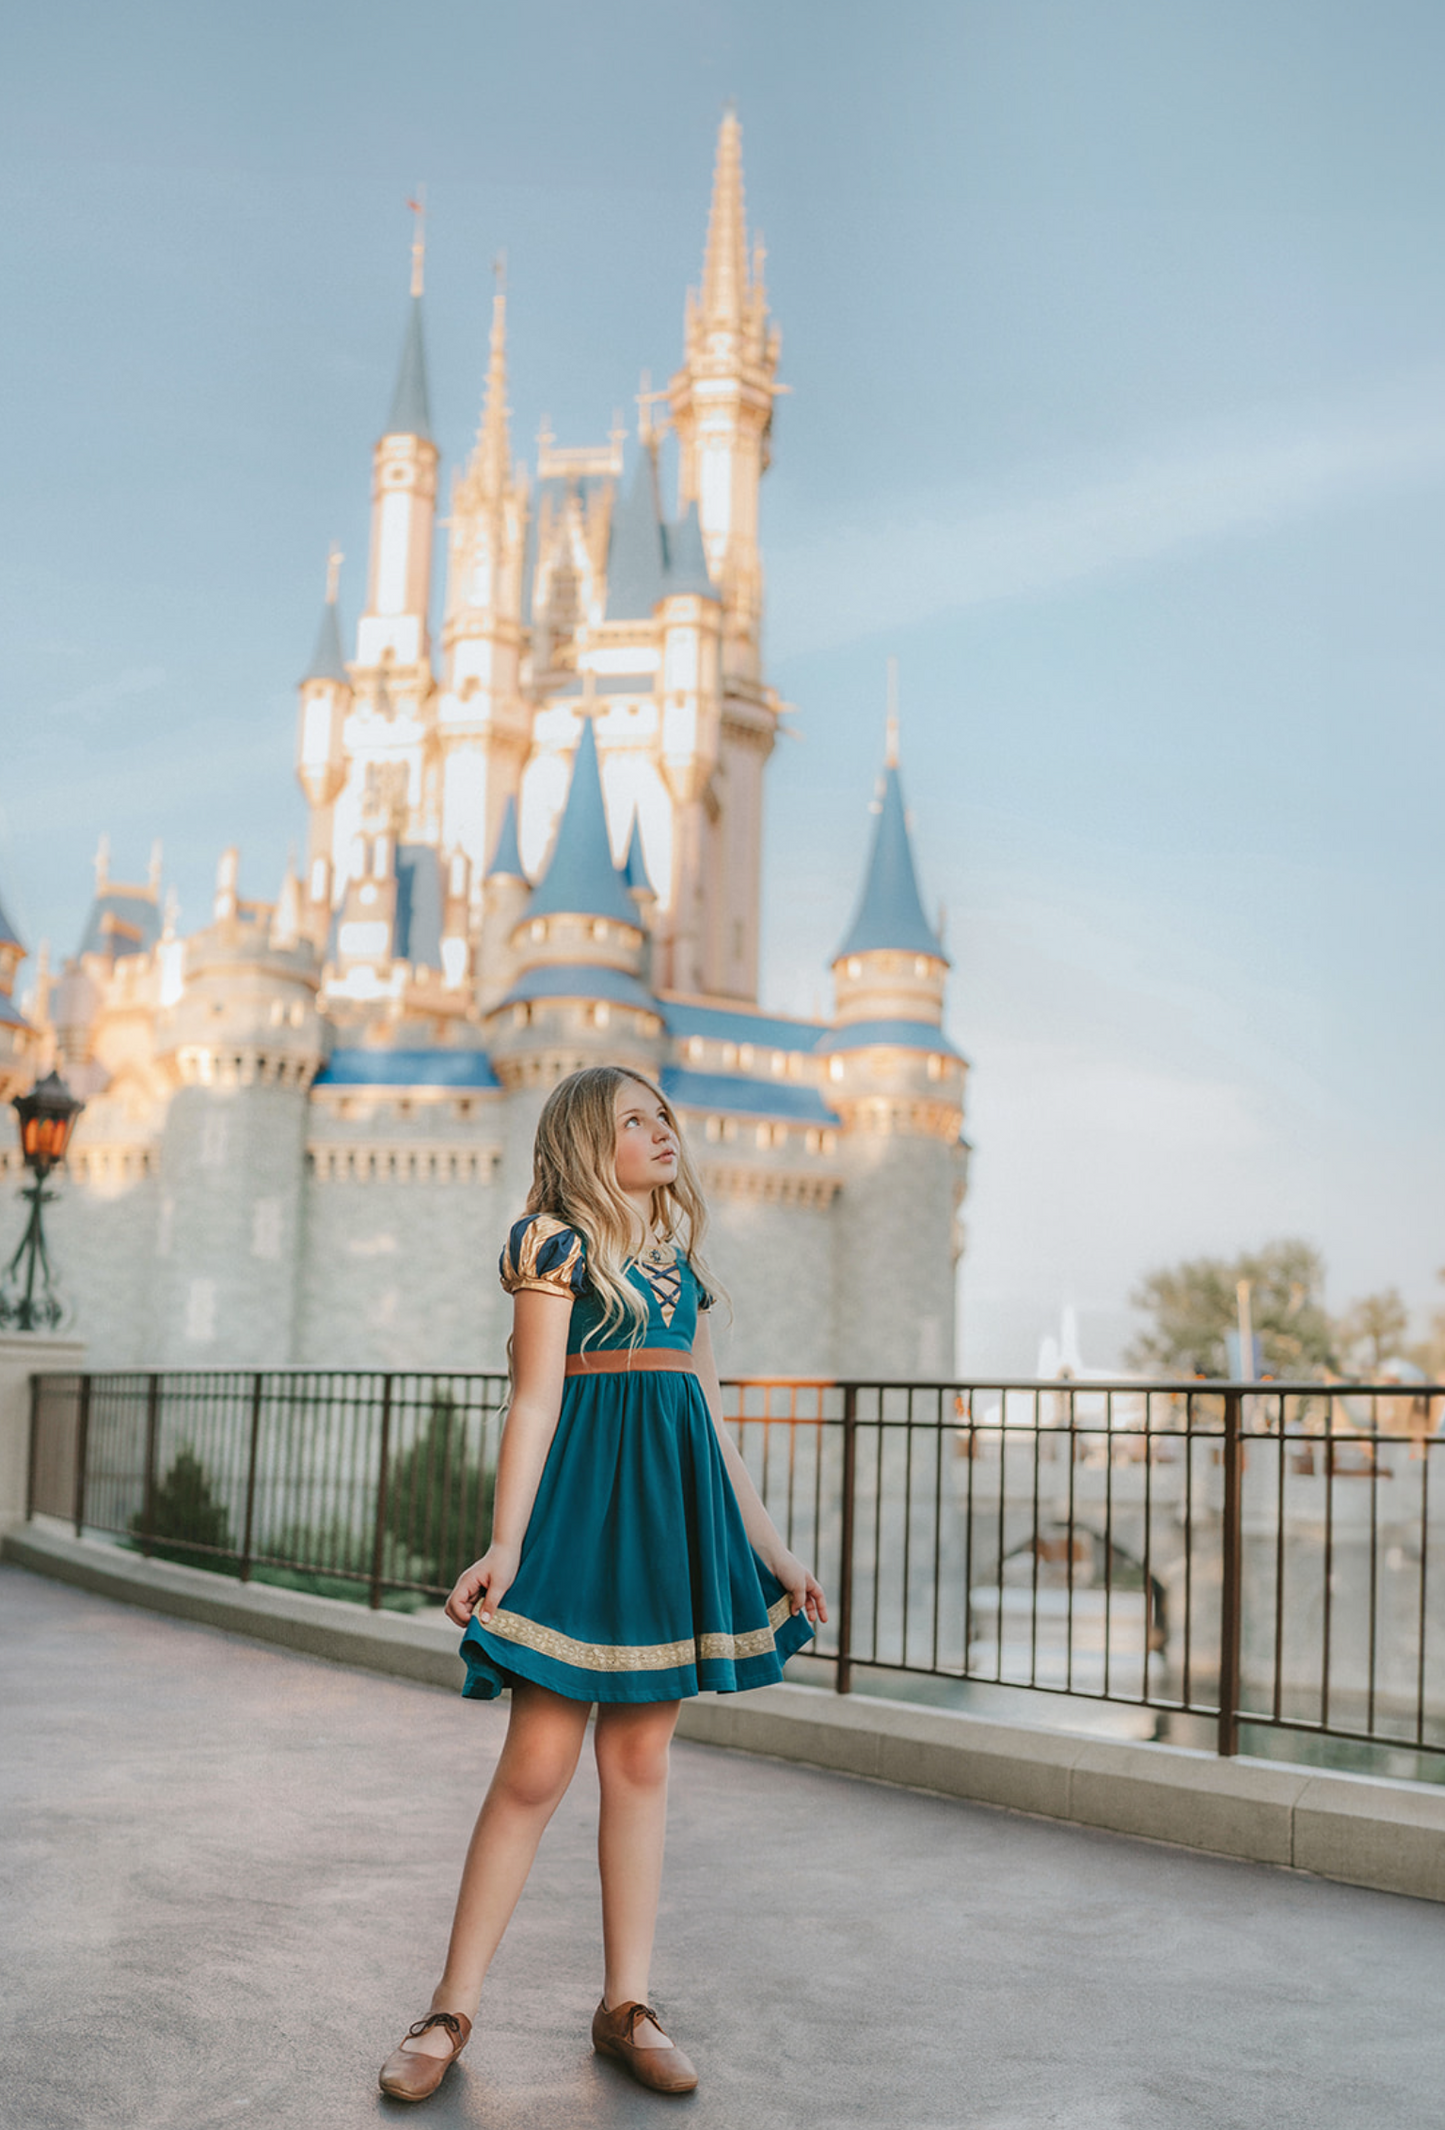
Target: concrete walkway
228	1873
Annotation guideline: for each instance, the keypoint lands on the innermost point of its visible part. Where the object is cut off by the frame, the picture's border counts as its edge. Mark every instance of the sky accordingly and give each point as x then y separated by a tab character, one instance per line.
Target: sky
1116	345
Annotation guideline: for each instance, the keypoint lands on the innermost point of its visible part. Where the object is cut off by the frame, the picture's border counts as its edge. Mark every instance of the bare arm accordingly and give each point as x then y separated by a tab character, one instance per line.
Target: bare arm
539	1356
802	1588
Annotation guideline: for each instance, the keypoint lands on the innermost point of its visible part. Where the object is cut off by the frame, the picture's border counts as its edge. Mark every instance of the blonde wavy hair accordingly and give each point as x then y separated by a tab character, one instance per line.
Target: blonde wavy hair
574	1179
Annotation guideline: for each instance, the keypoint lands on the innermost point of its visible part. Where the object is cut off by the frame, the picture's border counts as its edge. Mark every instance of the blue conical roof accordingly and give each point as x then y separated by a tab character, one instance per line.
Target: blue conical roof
507	857
890	911
634	548
687	569
581	879
327	662
634	867
9	937
410	406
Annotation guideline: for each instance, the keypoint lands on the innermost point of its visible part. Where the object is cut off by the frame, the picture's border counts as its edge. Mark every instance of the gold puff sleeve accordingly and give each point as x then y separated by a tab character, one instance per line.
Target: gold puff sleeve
546	1254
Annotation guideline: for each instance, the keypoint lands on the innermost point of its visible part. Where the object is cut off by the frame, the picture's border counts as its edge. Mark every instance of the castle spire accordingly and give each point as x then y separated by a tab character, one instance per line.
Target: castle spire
581	878
327	662
890	915
506	857
410	404
418	241
723	300
493	454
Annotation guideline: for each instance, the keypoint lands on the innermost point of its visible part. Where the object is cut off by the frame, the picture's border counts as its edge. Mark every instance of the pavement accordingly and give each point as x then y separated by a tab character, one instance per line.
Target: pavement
226	1875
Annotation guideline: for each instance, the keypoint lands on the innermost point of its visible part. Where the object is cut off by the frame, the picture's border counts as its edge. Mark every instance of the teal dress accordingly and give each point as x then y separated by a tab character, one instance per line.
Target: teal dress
637	1581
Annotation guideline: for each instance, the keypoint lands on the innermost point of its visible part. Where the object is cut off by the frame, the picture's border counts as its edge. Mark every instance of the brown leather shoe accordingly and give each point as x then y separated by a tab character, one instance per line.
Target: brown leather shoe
411	2074
664	2070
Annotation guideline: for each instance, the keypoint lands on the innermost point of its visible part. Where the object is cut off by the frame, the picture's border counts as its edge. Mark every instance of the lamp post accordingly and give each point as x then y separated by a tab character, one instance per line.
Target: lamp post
47	1118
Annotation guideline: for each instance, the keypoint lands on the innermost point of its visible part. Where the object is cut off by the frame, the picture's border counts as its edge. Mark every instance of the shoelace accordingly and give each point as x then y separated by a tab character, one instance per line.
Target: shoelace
447	2019
636	2013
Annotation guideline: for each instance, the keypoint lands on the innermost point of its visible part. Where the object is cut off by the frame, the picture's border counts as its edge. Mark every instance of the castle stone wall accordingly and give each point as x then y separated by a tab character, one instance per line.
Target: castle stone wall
893	1260
228	1227
402	1274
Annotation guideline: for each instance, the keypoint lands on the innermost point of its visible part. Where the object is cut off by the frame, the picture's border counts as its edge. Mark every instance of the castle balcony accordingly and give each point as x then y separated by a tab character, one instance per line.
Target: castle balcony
235	1803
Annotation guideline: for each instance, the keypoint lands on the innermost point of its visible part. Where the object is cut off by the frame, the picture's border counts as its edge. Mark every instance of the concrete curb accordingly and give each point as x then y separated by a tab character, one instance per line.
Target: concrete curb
1358	1829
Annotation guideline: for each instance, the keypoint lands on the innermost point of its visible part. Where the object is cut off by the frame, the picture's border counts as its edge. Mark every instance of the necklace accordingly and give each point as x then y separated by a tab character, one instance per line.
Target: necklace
660	1254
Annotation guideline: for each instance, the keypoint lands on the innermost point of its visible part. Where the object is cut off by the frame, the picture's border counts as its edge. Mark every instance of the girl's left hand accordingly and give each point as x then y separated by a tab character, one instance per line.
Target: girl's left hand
804	1591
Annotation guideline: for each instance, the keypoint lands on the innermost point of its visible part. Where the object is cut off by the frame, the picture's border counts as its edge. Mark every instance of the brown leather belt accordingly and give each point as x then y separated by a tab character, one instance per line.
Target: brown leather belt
643	1360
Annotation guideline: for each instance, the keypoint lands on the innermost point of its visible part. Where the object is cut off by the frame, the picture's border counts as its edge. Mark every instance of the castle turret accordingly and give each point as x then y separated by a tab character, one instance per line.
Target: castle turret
722	406
712	935
577	998
241	1045
320	751
16	1034
504	898
483	727
642	891
393	628
896	1082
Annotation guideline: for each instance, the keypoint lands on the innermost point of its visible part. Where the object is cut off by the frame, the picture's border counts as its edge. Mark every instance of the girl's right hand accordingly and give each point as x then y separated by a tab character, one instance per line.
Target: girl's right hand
482	1587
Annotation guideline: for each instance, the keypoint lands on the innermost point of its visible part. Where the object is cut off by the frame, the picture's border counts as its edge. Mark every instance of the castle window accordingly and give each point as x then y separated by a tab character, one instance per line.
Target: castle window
696	1050
278	1008
745	1056
855	967
935	1066
599	928
835	1068
538	928
600	1015
730	1056
778	1063
920	966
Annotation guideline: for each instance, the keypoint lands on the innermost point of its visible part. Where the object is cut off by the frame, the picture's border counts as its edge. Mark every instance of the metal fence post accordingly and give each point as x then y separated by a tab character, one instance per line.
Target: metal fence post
82	1448
1231	1605
378	1549
34	1451
148	1497
843	1680
246	1535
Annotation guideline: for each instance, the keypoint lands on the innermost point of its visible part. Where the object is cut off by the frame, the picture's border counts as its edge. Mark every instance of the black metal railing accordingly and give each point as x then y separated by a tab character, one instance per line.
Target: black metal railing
1218	1554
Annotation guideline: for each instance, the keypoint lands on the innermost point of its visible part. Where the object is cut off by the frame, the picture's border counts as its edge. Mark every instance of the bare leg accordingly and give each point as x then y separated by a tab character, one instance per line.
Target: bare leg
538	1760
631	1744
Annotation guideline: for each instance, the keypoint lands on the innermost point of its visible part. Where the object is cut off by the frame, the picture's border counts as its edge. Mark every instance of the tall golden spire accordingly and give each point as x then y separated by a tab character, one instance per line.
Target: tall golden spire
724	297
493	444
418	241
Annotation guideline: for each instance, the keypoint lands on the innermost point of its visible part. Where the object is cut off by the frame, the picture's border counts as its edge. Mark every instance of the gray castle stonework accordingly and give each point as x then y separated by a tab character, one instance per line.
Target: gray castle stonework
533	846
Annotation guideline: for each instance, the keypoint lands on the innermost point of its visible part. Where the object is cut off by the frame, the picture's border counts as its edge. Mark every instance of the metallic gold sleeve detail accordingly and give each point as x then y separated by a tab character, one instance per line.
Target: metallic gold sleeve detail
639	1656
519	1260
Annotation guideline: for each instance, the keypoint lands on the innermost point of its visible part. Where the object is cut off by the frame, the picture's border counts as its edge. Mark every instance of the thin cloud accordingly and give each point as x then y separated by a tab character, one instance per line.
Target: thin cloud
105	694
972	550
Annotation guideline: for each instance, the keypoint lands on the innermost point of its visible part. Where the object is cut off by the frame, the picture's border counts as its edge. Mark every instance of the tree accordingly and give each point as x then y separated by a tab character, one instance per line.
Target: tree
438	1501
1193	1305
1429	1353
1372	1331
184	1509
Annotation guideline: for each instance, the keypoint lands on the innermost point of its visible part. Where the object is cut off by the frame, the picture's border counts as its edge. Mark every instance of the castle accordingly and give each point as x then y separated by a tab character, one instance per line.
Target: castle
532	845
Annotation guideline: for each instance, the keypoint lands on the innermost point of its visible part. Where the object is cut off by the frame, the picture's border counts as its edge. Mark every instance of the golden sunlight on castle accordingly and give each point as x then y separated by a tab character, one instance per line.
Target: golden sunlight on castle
532	844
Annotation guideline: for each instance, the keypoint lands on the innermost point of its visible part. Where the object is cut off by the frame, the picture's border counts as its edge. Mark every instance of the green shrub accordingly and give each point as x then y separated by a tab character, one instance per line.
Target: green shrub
187	1523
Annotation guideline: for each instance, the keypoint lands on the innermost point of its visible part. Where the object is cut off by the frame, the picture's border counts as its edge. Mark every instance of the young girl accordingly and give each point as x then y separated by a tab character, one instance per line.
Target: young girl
632	1563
